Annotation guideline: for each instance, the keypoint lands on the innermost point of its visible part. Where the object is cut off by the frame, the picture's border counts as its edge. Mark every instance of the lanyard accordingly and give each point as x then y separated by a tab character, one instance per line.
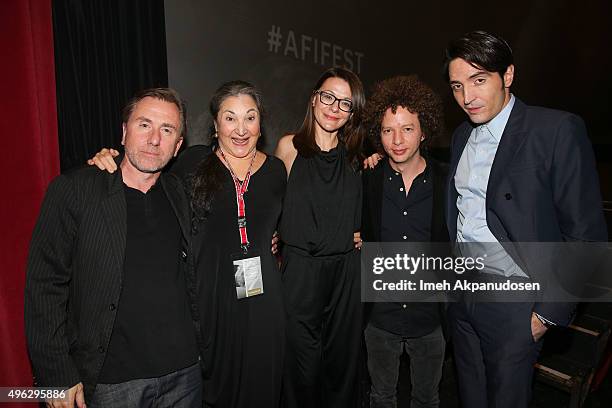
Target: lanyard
241	188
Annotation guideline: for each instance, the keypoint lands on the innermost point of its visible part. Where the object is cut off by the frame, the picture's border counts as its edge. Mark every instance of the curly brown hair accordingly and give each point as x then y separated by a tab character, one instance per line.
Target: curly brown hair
409	92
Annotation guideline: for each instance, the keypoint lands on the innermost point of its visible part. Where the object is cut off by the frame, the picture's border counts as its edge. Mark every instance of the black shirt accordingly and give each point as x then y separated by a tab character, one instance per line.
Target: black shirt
406	218
153	334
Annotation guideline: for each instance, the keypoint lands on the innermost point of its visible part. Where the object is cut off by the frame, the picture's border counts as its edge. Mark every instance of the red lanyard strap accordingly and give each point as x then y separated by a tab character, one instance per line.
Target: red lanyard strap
241	188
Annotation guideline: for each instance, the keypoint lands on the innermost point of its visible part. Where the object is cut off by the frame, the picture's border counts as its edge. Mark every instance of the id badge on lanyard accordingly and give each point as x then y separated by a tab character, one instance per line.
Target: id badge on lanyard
246	264
247	274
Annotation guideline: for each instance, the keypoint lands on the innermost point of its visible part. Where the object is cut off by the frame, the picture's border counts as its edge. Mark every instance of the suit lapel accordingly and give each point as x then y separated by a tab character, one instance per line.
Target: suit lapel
458	146
176	195
437	215
376	200
510	143
114	209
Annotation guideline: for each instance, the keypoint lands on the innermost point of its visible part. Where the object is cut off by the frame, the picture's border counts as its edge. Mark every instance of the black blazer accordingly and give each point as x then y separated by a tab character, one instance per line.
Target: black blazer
543	187
75	272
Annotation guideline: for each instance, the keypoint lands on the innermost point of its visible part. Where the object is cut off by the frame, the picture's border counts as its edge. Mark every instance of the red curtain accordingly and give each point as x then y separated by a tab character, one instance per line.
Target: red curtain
30	159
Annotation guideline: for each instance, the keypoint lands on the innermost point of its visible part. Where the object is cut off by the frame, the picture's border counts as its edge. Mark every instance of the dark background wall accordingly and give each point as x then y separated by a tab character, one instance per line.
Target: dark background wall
106	50
562	51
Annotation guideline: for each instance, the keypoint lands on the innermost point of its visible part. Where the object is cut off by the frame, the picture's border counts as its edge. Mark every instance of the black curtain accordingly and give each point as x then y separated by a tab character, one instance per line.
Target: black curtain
105	51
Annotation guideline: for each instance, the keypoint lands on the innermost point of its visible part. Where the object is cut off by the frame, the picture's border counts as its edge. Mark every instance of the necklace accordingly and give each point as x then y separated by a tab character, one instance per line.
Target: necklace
233	173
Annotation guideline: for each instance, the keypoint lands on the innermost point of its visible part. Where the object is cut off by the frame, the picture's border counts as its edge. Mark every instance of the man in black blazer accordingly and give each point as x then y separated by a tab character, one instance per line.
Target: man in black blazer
403	201
518	173
109	309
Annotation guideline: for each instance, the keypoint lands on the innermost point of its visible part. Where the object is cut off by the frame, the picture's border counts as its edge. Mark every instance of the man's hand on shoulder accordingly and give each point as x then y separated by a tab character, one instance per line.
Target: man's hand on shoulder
372	161
104	160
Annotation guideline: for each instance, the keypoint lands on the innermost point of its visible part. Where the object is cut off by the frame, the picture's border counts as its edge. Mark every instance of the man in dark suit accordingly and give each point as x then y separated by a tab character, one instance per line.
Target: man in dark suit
109	294
518	173
403	201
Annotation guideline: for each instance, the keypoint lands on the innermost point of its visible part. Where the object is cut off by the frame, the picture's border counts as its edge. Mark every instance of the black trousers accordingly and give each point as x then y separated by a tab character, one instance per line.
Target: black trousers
426	359
494	353
323	307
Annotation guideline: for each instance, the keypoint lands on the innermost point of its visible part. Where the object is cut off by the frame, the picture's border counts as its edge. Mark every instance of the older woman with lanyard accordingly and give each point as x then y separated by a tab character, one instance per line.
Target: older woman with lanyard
320	266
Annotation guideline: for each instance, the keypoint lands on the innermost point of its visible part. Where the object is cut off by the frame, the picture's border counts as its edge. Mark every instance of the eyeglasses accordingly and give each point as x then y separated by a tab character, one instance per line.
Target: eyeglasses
345	105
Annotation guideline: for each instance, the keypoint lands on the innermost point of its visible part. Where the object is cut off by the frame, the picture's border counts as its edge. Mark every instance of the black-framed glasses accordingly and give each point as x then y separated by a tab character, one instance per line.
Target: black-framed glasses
326	98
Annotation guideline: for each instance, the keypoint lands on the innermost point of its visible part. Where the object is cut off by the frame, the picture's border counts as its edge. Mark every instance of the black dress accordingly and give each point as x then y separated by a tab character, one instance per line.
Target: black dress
243	339
322	210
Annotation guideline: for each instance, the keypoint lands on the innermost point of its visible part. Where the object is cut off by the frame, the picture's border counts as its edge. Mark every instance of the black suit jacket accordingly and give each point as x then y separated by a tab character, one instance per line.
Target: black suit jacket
75	273
543	187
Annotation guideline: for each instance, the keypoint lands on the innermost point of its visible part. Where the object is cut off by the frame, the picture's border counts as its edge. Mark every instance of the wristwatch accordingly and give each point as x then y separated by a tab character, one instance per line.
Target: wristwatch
547	323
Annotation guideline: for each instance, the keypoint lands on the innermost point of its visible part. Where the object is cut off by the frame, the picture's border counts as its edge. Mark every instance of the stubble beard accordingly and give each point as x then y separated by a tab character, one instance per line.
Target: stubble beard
145	165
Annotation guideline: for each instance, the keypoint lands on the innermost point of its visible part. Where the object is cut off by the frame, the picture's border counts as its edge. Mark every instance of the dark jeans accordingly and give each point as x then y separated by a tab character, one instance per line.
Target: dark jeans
182	388
494	353
426	358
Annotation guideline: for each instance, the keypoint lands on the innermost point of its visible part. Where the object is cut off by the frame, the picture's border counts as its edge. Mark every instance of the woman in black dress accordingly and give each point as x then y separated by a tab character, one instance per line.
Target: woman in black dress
321	214
241	307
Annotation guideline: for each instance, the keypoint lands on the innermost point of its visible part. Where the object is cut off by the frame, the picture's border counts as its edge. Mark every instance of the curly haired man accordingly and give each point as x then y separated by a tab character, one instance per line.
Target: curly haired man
403	202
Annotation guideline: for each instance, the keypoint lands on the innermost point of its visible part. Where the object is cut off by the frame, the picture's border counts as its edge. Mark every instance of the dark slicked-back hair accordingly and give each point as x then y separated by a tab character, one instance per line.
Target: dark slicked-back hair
481	50
409	92
351	134
164	94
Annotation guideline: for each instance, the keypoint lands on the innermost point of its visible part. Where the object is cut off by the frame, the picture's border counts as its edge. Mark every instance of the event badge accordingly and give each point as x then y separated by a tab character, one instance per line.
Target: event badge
247	275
